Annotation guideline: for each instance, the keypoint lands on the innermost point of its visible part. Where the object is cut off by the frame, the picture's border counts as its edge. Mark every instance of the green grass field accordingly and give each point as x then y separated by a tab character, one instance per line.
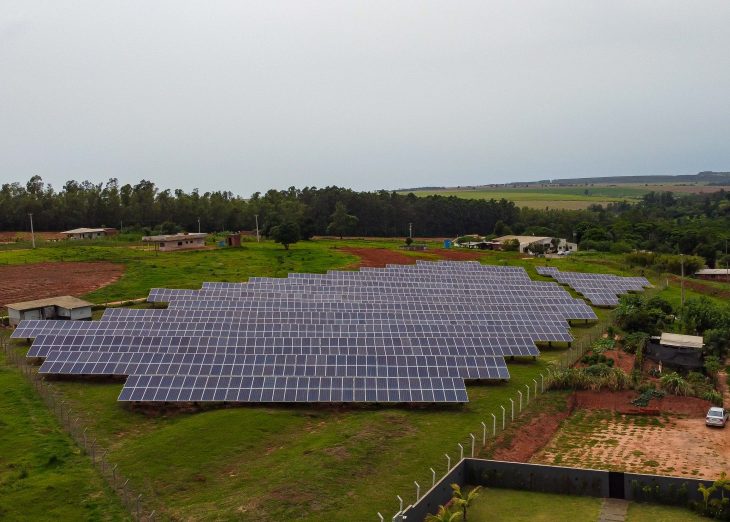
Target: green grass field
494	505
282	463
568	198
43	476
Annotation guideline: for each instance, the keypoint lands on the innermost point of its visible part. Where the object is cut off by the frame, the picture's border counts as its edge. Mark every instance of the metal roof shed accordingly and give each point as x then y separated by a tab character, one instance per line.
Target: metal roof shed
62	307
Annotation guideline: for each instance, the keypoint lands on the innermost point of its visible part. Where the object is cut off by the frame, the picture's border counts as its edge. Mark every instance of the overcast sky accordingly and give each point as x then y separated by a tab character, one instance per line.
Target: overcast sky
247	96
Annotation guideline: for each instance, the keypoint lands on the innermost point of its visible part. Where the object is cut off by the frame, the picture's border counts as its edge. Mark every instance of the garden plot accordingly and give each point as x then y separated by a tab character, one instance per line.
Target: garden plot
666	445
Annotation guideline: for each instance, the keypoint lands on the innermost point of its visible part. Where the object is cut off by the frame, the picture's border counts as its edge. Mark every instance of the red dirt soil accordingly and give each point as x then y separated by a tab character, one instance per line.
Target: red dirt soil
40	280
531	437
378	257
621	402
11	237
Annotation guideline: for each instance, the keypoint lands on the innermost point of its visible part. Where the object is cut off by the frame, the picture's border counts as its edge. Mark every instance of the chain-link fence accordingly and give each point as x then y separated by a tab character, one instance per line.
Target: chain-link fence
82	435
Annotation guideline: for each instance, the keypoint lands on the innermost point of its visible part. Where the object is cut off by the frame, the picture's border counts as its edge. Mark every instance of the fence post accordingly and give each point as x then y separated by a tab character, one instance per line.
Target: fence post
519	394
512	408
433	478
504	412
418	490
461	451
535	381
542	383
473	443
448	462
528	393
494	425
484	433
139	498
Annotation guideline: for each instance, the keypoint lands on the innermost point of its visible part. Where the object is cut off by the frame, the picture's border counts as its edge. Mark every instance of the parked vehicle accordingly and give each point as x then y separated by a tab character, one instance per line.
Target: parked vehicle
717	417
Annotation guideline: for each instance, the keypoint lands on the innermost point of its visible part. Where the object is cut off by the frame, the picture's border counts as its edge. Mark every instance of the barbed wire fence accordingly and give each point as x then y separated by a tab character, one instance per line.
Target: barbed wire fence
497	421
81	434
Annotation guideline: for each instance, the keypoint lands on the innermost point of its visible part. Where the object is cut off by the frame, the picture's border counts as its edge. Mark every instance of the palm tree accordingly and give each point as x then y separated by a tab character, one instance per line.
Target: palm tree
464	500
444	515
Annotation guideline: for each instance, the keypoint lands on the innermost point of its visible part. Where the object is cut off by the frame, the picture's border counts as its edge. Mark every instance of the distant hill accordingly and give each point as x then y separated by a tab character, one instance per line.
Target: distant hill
705	178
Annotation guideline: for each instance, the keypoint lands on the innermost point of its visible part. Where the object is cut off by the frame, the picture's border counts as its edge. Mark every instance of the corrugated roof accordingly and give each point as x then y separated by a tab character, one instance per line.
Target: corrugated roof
64	301
713	271
175	237
84	230
682	341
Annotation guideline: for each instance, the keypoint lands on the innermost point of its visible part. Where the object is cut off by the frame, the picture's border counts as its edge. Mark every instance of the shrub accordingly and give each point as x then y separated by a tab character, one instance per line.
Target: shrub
596	358
675	384
635	340
601	345
713	396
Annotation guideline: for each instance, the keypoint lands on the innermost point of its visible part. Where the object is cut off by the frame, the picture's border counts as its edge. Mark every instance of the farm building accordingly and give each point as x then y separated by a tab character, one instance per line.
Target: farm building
714	274
681	352
63	307
527	242
169	243
89	233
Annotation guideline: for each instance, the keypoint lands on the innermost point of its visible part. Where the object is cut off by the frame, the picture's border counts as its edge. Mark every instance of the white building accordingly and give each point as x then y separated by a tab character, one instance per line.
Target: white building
168	243
528	241
63	307
89	233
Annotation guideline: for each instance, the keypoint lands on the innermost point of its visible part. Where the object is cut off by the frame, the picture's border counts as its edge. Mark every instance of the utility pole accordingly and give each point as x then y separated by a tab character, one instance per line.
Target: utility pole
198	225
32	233
410	230
681	260
258	238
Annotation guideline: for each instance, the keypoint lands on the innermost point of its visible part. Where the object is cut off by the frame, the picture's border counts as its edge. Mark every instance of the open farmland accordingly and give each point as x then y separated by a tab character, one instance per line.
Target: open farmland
285	462
561	197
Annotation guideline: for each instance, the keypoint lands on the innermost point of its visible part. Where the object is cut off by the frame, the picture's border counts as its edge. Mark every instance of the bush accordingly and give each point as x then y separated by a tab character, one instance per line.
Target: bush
634	341
601	345
596	358
713	396
593	378
675	384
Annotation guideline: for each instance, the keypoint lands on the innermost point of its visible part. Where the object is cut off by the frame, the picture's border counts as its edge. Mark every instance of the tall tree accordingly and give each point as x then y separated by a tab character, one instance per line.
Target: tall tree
341	222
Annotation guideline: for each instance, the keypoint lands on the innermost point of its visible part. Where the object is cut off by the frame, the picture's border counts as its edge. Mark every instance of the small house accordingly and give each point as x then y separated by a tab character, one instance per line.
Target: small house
63	307
89	233
172	242
548	244
714	274
679	352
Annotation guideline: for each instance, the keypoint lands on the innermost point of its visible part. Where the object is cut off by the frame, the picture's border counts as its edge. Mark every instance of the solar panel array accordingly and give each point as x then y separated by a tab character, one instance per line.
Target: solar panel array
599	289
397	334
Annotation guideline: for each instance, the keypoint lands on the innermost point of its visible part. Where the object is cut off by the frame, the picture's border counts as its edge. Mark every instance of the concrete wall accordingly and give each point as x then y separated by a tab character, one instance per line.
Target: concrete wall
168	246
557	479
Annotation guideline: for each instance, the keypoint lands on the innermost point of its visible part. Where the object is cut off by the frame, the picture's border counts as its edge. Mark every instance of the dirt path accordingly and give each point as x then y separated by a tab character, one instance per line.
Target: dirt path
39	280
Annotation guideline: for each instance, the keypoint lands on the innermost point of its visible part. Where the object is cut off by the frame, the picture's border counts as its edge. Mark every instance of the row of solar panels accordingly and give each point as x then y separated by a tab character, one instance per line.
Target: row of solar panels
404	334
599	289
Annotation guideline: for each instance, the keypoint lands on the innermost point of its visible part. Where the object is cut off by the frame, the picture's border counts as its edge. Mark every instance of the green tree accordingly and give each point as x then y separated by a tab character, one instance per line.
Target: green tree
444	515
511	245
341	222
286	234
464	500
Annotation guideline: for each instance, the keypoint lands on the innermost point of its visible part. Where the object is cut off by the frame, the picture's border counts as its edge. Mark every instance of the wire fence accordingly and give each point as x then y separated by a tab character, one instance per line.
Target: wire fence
497	421
81	434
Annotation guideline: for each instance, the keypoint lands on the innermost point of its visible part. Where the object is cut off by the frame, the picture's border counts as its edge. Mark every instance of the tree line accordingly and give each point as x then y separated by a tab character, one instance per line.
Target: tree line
690	224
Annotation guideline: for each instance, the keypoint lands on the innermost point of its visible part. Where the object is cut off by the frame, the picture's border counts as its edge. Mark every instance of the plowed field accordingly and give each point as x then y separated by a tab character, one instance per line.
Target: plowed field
39	280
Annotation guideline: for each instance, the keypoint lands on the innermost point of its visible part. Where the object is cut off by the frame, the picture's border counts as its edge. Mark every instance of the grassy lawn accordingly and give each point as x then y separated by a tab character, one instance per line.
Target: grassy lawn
43	476
514	506
656	513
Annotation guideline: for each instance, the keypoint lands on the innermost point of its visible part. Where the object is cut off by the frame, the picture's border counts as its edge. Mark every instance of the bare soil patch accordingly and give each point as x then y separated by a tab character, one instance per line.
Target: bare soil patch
702	288
621	402
531	436
13	237
40	280
378	257
668	445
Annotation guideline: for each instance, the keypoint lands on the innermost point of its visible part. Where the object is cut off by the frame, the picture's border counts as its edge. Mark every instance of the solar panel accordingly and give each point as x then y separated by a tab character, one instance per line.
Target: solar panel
398	334
599	289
